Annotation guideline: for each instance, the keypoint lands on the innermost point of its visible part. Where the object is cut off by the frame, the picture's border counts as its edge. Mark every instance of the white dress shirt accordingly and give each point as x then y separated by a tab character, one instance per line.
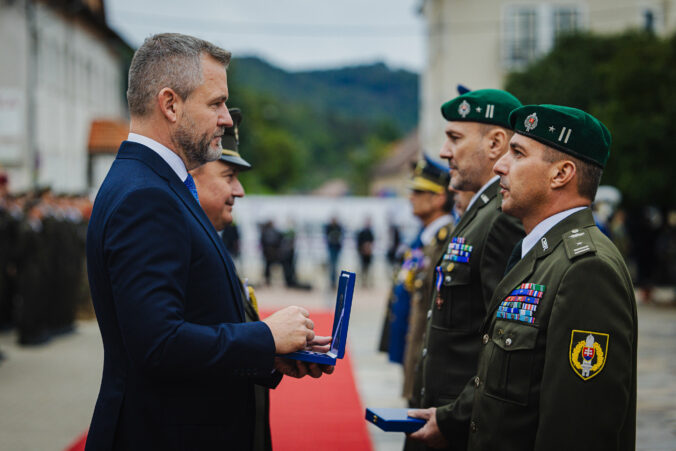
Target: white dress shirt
168	155
539	230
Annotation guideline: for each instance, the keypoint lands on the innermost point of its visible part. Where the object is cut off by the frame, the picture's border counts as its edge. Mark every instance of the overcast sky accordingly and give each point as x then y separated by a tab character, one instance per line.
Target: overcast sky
293	34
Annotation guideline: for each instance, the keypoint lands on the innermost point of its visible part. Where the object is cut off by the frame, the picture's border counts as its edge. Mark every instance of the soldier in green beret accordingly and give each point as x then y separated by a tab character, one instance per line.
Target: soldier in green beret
475	255
557	369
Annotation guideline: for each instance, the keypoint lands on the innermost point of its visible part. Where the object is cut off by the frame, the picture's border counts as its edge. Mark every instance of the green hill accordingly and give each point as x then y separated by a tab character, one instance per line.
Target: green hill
302	128
372	92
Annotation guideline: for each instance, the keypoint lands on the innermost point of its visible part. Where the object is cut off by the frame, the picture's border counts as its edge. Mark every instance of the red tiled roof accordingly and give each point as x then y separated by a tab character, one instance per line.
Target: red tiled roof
106	135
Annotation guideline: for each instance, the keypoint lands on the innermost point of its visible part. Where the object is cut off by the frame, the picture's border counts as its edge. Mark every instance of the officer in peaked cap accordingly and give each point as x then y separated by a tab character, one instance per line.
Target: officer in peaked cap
230	143
404	323
473	262
218	187
432	203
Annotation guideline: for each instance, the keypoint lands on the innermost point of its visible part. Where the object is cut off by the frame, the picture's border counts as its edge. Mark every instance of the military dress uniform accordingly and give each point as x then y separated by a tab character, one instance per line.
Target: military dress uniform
262	440
543	375
473	262
557	368
421	292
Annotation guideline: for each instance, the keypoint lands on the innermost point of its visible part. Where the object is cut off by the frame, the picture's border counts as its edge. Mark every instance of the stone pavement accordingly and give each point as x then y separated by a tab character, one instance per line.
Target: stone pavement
47	393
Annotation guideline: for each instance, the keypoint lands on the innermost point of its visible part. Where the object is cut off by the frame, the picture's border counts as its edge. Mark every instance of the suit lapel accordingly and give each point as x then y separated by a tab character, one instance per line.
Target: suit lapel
136	151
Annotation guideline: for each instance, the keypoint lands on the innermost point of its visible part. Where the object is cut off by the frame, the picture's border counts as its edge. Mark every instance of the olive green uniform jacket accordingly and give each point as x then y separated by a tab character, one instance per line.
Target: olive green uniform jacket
262	440
534	389
457	311
421	295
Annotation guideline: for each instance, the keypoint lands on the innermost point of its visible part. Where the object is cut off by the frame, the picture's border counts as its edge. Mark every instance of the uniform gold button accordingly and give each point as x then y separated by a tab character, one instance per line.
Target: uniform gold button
472	426
485	339
508	341
418	283
500	332
477	381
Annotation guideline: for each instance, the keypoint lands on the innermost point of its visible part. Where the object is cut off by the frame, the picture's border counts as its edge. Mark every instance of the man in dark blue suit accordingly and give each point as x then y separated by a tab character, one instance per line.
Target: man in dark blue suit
180	362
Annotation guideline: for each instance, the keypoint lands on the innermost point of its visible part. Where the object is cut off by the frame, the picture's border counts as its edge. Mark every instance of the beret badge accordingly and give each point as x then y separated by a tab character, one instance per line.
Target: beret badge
531	122
464	108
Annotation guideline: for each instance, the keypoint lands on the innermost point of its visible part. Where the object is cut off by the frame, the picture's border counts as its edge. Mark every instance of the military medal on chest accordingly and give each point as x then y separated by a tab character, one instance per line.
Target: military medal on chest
458	250
439	301
522	303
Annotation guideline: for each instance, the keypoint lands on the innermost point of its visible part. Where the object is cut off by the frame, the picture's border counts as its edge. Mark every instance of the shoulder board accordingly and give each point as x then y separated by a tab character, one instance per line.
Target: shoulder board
443	233
578	242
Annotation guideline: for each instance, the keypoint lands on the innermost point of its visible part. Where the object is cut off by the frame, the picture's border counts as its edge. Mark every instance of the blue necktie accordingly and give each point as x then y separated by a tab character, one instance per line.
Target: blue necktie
190	184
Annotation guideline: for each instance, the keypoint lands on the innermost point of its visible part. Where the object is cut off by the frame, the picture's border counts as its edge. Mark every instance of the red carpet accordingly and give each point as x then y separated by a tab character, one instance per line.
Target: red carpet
319	414
312	414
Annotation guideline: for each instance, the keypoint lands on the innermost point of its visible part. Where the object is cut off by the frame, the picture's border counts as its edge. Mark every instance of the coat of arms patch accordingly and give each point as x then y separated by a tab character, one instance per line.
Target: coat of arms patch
588	352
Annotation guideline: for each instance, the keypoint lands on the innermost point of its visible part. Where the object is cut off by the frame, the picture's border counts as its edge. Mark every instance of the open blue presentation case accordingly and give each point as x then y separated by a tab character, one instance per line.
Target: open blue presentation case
394	420
341	319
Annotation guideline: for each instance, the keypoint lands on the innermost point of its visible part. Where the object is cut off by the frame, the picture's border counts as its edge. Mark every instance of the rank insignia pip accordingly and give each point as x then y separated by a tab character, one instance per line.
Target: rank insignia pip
588	352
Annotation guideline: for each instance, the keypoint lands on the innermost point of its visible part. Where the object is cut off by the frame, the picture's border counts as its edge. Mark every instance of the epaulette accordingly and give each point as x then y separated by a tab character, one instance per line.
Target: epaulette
442	233
578	242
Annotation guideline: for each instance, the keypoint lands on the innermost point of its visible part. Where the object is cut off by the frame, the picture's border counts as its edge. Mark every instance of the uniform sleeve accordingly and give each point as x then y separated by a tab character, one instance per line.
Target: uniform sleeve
503	235
575	413
147	251
453	419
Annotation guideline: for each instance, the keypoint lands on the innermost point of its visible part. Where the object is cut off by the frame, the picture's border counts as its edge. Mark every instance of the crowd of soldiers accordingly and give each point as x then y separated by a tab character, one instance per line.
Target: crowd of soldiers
42	277
503	308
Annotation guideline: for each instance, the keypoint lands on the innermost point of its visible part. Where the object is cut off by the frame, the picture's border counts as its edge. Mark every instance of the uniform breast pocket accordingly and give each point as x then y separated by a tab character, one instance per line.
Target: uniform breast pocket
508	375
455	306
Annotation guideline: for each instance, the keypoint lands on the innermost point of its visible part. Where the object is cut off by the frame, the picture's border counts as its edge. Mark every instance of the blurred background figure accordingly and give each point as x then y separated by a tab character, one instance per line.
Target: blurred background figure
394	241
333	233
460	202
271	241
231	240
365	241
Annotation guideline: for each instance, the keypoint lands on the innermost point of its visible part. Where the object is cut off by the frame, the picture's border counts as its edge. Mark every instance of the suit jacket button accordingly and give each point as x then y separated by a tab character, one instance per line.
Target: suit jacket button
485	339
429	313
477	381
422	391
508	341
473	427
424	352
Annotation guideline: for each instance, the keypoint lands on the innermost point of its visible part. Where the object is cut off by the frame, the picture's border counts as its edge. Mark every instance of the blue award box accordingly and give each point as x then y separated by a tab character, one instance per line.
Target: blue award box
394	420
341	319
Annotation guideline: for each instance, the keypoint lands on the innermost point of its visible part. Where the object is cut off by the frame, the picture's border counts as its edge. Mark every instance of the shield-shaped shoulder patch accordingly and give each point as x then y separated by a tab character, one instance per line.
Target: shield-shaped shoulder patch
588	352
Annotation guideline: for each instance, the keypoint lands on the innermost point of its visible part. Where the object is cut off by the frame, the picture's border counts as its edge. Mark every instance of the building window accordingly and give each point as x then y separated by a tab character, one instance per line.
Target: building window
530	30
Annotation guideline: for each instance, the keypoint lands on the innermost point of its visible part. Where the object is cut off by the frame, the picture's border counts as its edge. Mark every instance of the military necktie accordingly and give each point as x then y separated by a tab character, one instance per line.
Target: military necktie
514	257
190	184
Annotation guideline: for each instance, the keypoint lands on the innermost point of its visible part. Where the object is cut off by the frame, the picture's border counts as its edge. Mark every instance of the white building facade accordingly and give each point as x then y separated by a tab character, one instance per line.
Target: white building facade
477	42
62	68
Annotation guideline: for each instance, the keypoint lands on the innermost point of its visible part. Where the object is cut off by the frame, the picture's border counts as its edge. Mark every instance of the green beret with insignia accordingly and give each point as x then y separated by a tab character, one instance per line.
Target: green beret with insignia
569	130
230	142
489	106
430	176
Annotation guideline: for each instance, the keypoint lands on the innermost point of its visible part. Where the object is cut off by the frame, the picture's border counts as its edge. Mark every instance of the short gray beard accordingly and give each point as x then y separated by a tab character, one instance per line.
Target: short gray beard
196	149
